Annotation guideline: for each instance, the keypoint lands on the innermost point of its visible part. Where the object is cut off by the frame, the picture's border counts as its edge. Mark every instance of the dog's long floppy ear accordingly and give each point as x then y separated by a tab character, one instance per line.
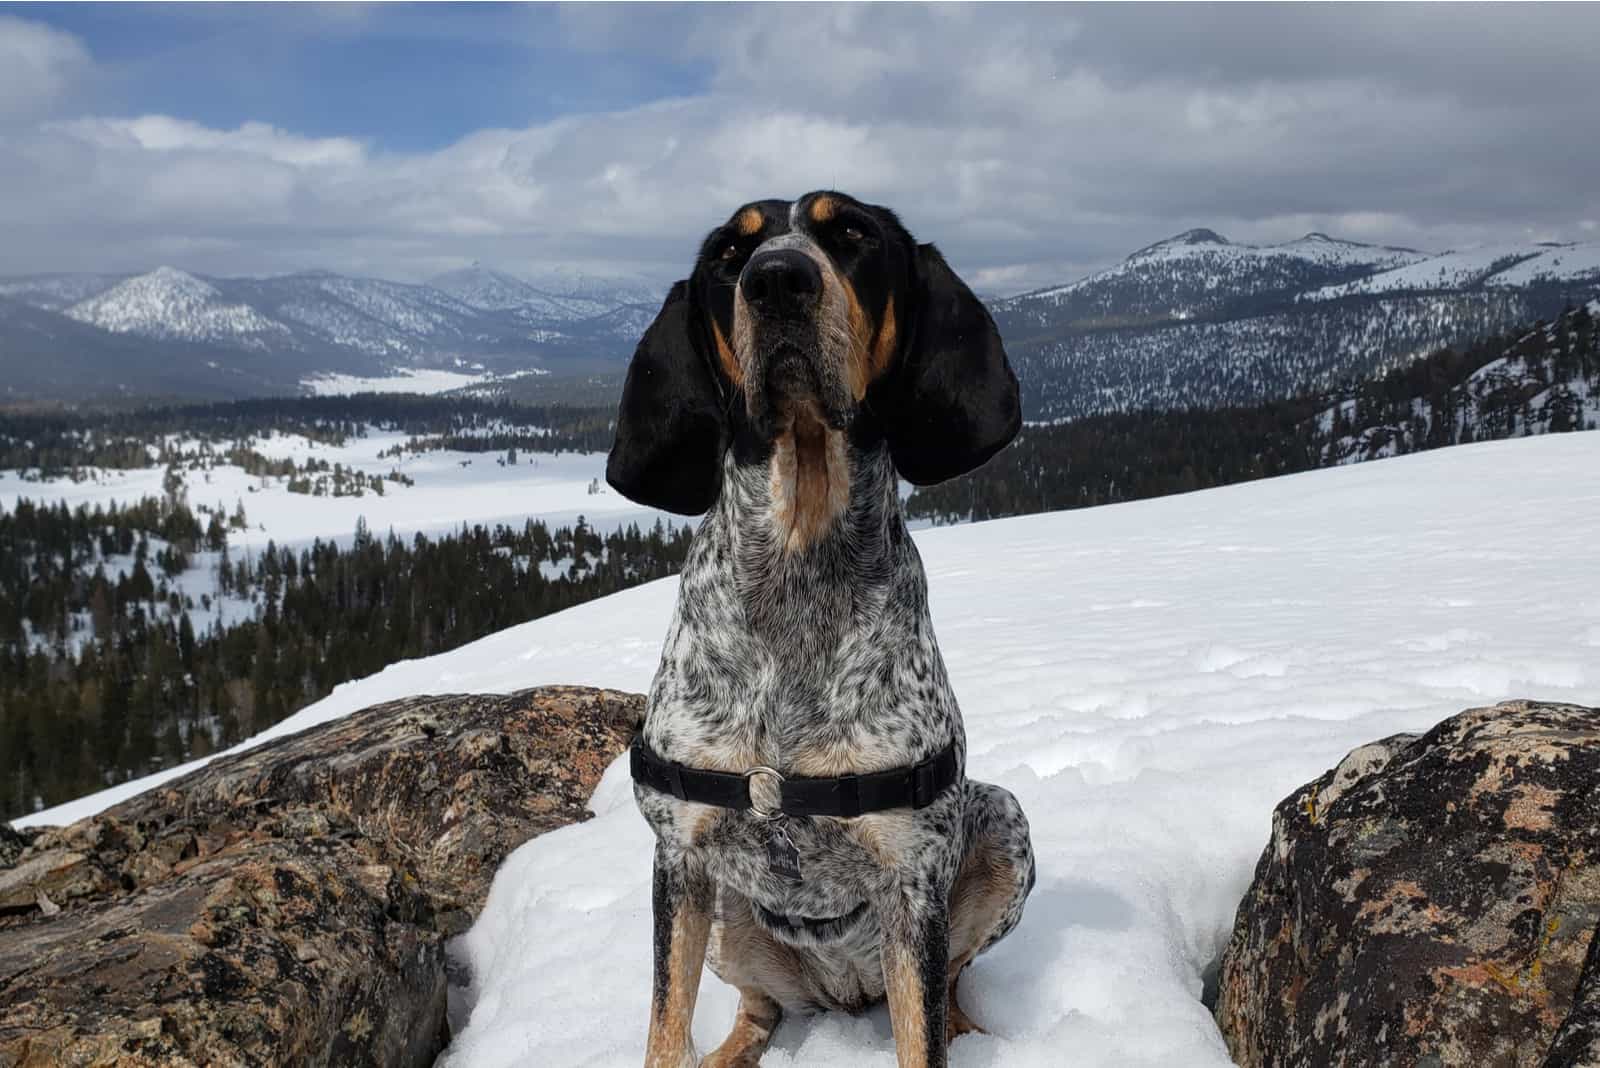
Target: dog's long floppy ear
671	427
952	401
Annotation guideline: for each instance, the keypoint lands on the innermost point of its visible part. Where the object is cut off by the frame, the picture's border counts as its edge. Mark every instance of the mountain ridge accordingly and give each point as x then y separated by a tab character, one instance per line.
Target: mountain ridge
1197	320
277	333
1191	319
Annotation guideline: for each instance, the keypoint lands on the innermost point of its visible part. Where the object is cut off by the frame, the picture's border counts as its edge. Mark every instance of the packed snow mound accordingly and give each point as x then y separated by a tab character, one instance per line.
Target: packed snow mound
1148	678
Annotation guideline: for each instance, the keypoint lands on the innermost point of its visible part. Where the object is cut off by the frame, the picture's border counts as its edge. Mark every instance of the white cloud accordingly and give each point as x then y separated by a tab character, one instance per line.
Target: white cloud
1024	142
39	66
162	133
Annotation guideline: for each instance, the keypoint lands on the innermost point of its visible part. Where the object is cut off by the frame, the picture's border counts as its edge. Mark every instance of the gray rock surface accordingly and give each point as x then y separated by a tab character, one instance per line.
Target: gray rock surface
289	905
1429	903
1577	1044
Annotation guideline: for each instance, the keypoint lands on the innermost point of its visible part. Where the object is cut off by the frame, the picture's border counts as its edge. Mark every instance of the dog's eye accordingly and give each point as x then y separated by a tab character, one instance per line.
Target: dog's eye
852	234
731	252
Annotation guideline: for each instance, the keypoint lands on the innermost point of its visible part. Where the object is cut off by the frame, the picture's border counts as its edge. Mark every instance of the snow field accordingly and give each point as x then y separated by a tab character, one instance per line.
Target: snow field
1148	678
421	380
451	488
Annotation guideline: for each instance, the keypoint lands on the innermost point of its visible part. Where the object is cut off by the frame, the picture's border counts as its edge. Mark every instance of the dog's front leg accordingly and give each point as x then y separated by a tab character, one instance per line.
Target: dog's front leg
681	902
916	956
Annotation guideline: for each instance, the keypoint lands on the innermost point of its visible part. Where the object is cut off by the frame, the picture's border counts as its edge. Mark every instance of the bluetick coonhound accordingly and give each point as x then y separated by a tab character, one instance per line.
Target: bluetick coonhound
802	759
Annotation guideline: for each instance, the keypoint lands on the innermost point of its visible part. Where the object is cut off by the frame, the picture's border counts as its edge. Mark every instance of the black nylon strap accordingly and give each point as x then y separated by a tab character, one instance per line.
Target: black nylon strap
844	797
687	784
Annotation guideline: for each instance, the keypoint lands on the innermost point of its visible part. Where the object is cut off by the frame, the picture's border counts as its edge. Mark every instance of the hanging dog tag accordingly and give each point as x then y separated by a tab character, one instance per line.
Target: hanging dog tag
783	859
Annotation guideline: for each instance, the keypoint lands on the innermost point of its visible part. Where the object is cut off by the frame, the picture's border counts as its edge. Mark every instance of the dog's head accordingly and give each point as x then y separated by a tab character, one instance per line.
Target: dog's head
821	310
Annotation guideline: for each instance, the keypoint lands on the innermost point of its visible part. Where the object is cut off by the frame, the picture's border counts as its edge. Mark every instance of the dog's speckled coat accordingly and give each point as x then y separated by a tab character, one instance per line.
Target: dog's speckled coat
816	656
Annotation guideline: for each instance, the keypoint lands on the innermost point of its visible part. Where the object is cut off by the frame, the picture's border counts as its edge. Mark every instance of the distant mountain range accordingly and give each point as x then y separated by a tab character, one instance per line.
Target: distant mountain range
1193	320
1519	383
169	332
1198	321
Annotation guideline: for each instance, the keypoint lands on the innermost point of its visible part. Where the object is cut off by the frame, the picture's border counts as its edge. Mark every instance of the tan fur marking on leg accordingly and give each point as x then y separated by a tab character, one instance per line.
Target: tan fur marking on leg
669	1044
757	1018
957	1022
978	899
903	982
882	834
704	823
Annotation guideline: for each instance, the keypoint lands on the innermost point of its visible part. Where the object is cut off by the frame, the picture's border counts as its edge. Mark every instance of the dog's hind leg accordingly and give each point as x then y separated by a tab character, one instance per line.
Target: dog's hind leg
752	1030
991	887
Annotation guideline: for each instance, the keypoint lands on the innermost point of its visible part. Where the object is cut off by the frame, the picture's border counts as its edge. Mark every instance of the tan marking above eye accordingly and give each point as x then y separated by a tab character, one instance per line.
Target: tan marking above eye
751	221
822	209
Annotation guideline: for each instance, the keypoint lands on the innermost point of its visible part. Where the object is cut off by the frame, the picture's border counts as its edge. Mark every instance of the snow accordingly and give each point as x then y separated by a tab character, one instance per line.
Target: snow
169	303
1149	679
403	381
451	488
1499	266
1556	263
490	290
1210	254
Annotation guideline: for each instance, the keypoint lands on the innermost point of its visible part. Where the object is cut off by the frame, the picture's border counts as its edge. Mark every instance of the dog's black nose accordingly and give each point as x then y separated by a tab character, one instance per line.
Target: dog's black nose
781	282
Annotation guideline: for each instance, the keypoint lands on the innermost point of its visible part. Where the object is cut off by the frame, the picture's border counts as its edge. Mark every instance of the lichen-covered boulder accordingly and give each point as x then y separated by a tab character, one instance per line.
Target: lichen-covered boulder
1428	903
1577	1044
289	905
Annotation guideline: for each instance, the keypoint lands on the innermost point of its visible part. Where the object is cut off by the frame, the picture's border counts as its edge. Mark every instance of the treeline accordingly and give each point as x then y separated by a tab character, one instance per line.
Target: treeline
1543	379
108	671
58	442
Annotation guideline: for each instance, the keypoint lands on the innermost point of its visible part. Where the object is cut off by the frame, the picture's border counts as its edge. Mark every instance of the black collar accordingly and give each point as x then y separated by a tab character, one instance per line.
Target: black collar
844	797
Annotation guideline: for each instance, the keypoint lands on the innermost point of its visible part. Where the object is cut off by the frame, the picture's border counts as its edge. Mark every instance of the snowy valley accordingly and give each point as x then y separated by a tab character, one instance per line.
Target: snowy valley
1148	678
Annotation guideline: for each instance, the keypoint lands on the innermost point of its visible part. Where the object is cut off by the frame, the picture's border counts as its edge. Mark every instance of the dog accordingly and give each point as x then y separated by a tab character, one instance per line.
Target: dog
802	760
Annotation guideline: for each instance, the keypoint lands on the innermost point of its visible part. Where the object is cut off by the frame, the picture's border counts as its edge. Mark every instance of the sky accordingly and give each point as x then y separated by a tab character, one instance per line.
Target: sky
1033	143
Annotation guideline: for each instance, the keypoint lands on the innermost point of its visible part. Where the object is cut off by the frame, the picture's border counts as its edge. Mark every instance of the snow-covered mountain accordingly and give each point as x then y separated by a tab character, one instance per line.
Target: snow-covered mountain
1197	320
1148	678
492	290
1495	266
168	303
563	297
255	335
1546	381
1199	271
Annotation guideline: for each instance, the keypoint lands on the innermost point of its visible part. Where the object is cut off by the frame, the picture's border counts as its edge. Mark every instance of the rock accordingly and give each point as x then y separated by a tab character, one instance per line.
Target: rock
1577	1044
1429	903
290	905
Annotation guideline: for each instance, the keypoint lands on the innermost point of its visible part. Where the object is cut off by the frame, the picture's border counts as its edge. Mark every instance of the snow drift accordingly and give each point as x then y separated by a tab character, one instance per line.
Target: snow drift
1148	678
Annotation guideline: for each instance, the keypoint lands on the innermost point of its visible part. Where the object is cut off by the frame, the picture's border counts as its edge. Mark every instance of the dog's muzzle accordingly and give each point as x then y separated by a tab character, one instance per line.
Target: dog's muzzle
781	284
